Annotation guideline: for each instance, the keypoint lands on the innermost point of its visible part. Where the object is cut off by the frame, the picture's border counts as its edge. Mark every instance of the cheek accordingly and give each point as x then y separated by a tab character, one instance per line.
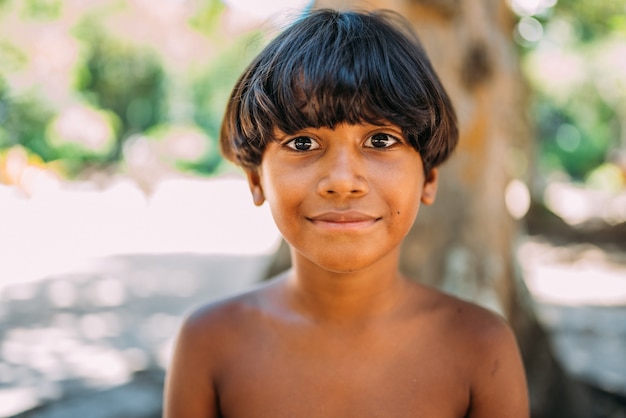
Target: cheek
283	193
405	210
404	194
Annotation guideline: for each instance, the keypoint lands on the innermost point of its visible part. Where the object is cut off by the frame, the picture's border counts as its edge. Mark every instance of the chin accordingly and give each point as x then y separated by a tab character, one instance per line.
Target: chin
342	263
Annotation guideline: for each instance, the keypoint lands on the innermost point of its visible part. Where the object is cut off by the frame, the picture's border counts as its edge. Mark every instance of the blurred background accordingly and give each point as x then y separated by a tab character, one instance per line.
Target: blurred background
117	213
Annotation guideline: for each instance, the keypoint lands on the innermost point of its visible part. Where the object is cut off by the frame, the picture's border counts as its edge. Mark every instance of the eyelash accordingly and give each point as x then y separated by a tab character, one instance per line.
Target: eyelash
388	137
392	140
291	144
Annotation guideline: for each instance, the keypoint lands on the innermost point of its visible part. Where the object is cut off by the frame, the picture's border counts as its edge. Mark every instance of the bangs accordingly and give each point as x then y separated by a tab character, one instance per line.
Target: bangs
332	76
331	68
325	103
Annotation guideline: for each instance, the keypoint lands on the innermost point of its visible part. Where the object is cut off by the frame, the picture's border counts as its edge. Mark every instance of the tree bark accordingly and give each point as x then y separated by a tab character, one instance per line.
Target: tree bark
465	244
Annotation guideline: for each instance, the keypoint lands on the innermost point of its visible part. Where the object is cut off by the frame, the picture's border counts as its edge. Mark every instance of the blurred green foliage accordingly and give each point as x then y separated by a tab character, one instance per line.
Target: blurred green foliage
595	19
23	121
569	142
206	19
42	9
210	89
122	78
579	85
129	87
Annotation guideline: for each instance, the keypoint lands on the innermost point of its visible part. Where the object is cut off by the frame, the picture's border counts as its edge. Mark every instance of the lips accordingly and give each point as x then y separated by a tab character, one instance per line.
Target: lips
343	220
343	217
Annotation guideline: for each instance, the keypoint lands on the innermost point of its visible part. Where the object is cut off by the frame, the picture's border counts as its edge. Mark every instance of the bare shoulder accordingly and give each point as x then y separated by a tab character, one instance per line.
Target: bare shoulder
486	342
226	318
471	325
208	335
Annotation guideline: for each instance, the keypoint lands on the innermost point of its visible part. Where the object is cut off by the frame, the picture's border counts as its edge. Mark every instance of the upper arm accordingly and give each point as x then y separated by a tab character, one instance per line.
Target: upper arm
189	387
498	388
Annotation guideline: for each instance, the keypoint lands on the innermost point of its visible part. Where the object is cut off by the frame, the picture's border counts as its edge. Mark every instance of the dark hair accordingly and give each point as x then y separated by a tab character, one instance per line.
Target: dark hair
331	67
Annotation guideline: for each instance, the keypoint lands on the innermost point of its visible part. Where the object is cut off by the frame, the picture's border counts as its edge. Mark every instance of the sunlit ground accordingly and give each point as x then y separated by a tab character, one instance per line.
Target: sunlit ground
63	226
93	281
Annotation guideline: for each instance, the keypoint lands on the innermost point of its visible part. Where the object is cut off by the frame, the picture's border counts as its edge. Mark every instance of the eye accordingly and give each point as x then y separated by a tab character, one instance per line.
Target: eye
302	143
381	140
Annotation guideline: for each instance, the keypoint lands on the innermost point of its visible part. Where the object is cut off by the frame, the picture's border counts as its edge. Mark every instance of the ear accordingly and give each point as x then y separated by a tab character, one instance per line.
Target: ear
429	192
254	181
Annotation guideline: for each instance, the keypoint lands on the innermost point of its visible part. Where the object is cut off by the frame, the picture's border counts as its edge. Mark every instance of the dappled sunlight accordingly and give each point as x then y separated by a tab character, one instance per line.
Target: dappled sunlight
38	360
100	326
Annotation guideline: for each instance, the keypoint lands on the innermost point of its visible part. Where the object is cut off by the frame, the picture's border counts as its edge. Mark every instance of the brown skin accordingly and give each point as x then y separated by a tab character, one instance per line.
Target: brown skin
344	334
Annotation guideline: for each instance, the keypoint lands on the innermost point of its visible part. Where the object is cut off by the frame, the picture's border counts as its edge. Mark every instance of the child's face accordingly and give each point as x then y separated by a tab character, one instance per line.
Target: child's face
343	198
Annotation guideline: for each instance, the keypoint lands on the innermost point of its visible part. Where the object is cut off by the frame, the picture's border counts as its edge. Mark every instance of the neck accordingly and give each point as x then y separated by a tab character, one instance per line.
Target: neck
346	296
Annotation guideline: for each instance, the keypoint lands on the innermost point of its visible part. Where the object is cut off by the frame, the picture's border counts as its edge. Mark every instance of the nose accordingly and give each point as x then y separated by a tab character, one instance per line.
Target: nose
343	173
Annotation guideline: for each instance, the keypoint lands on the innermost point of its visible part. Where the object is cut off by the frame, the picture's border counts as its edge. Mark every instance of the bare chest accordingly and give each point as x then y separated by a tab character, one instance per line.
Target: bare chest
342	376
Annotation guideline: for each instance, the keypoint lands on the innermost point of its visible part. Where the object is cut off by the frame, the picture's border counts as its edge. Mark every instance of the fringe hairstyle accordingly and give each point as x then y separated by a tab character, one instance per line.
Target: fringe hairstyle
332	67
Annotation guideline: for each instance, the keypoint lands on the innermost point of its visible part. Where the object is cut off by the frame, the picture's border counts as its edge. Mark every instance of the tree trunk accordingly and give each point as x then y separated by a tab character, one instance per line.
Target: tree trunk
465	244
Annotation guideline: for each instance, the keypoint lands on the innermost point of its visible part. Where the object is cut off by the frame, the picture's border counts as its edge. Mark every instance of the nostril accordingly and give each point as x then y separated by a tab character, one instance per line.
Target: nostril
342	182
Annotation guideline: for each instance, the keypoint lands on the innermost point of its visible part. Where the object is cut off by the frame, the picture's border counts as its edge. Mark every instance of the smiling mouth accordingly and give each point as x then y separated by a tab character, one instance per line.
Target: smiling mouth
344	220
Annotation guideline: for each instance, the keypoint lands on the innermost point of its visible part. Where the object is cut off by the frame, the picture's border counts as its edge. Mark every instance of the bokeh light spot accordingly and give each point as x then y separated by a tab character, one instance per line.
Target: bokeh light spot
62	294
136	359
109	292
517	198
568	137
530	29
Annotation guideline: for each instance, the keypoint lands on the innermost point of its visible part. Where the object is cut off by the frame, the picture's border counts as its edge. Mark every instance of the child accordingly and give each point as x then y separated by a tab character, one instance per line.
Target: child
340	124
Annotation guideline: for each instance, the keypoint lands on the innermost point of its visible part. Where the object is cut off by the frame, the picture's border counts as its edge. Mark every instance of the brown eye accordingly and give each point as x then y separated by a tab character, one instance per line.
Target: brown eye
302	143
380	140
